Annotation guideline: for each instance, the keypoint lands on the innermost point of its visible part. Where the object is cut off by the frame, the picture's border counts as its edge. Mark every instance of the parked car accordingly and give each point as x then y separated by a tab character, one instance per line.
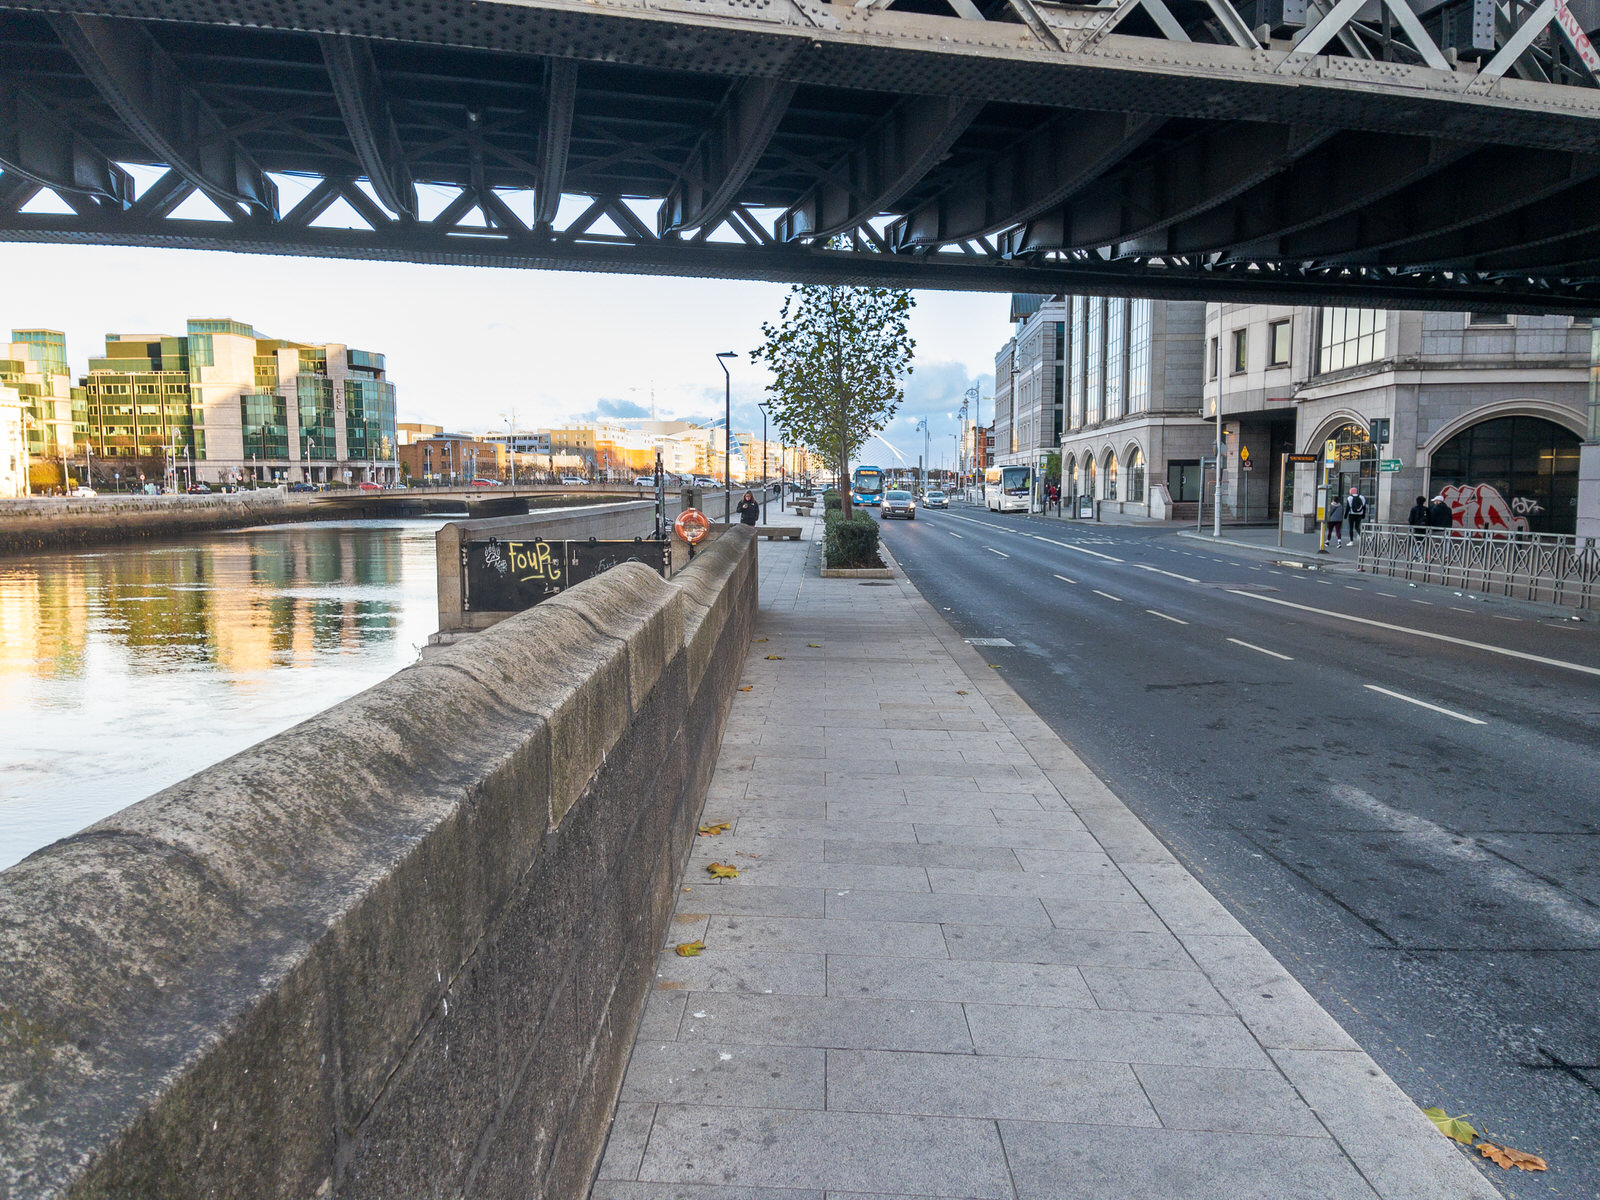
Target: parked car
199	489
899	504
302	487
705	482
645	481
368	486
573	481
482	482
936	499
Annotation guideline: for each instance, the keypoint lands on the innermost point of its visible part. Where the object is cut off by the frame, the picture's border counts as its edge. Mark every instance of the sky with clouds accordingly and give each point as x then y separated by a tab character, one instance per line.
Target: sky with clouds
469	346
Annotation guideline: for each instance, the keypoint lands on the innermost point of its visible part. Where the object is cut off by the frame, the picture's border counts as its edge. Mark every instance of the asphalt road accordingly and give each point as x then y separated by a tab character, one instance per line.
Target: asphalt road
1411	823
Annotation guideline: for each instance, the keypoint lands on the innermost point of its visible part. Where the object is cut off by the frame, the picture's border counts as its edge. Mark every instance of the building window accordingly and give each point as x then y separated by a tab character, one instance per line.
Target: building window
1136	476
1241	349
1498	318
1075	367
1094	377
1116	356
1139	324
1530	462
1350	337
1111	475
1216	351
1278	343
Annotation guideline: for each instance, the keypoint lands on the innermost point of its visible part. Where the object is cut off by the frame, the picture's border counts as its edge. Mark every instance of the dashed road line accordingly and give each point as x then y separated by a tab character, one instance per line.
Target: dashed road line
1424	633
1414	600
1164	617
1107	595
952	533
1064	579
1372	687
1498	617
1386	595
1260	649
1168	574
1001	553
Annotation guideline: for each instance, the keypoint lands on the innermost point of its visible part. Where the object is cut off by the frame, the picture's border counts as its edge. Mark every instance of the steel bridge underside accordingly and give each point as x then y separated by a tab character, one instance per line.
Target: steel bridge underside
1147	147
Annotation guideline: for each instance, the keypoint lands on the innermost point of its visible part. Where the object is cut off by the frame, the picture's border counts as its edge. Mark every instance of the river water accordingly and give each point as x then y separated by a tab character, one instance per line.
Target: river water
125	669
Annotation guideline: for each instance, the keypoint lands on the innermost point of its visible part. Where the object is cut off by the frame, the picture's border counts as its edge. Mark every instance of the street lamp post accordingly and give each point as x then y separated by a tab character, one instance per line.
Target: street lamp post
727	435
763	409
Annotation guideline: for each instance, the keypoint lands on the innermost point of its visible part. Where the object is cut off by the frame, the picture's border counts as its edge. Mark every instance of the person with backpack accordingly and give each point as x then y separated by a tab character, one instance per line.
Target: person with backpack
1441	517
1355	511
1333	525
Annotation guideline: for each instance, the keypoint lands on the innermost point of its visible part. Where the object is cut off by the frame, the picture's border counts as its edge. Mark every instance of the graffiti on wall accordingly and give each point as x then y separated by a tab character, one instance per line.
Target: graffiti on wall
1480	506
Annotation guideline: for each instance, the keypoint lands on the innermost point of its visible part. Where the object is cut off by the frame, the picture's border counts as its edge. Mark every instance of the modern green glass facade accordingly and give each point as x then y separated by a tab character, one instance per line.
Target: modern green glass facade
318	432
264	417
369	420
136	399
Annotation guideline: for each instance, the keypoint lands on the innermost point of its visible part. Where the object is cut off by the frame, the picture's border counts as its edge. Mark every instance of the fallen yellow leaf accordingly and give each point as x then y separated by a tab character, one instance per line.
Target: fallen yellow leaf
761	639
995	666
690	949
815	645
723	871
1508	1158
961	693
746	687
713	830
1451	1127
774	658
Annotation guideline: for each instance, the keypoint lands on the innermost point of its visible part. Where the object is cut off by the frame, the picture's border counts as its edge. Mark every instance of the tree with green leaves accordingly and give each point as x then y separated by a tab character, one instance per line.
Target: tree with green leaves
839	357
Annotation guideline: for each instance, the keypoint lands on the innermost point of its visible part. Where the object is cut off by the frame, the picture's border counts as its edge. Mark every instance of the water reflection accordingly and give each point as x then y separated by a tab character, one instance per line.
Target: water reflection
124	670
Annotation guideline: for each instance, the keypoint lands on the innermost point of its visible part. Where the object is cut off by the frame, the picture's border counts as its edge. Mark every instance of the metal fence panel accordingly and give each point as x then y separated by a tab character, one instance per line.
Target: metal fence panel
1553	568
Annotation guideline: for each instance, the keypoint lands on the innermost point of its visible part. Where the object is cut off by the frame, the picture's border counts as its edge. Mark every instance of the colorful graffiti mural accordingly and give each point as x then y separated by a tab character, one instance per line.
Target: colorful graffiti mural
1480	506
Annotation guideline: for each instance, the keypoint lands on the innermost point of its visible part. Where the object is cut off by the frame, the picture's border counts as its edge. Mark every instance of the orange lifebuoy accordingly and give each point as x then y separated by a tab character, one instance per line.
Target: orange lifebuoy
691	525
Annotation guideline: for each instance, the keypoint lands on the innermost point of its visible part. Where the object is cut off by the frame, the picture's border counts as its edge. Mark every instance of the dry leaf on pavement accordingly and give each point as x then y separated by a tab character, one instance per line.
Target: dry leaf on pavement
774	658
747	687
713	830
1508	1158
723	871
814	645
1451	1127
689	949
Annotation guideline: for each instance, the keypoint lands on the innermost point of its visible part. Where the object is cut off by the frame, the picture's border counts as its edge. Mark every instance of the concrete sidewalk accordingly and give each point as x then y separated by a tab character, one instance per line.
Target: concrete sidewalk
954	964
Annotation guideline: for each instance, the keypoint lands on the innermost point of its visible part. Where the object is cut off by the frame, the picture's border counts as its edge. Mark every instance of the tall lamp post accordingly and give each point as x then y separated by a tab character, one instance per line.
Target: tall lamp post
763	409
727	435
927	453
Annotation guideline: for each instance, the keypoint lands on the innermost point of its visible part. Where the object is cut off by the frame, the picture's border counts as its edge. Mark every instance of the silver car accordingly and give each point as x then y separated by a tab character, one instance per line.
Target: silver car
936	499
899	504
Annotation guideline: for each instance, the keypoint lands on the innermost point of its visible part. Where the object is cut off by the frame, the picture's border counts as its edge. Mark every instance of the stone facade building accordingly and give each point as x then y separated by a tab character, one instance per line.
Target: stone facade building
1471	401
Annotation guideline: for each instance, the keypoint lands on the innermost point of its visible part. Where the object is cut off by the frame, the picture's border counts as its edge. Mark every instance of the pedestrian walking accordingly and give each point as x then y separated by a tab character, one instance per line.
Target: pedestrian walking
1441	518
1417	518
748	509
1334	524
1355	511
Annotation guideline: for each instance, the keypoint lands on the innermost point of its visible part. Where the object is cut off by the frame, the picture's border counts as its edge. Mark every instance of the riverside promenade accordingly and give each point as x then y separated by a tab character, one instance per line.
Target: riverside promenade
954	964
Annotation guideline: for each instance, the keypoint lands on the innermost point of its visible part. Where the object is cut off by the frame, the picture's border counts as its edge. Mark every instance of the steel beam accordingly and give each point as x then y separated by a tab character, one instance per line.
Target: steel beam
721	162
1048	167
1130	210
38	145
134	75
891	160
555	142
368	120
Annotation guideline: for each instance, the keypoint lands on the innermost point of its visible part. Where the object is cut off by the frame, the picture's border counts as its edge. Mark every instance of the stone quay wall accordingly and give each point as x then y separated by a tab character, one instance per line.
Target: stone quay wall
63	522
398	950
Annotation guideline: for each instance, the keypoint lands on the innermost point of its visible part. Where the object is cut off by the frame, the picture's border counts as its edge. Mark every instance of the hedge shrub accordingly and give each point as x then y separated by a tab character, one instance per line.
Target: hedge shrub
831	501
852	544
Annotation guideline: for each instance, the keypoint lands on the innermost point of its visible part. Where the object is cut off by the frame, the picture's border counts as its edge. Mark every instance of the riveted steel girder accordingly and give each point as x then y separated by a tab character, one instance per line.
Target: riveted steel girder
1191	178
368	120
1055	162
135	76
555	142
726	154
38	145
886	164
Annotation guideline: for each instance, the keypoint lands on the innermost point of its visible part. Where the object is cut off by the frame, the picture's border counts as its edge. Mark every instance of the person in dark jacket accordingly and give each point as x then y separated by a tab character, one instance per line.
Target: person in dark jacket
1334	524
1355	511
1417	518
748	510
1440	514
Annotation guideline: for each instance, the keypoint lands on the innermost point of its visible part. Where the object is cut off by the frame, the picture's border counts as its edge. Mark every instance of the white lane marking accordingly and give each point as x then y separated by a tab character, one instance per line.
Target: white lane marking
1484	865
1423	633
1350	587
1001	553
1386	595
952	533
1064	579
1107	595
1414	600
1260	649
1079	549
1458	608
1325	582
1164	617
1169	574
1372	687
1498	617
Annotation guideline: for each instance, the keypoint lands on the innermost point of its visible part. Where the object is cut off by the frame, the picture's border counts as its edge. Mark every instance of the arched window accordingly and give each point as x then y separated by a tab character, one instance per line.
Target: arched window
1072	478
1532	463
1111	474
1088	479
1136	476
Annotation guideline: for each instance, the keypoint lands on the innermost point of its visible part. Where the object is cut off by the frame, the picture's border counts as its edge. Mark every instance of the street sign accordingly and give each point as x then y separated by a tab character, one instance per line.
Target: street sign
1330	453
1389	466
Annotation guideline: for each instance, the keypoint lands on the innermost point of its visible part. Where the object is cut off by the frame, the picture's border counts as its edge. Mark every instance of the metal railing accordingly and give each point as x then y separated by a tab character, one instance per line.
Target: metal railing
1553	568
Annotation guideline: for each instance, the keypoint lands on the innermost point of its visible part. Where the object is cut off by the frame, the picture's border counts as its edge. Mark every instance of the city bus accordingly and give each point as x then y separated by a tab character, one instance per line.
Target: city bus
866	486
1008	489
